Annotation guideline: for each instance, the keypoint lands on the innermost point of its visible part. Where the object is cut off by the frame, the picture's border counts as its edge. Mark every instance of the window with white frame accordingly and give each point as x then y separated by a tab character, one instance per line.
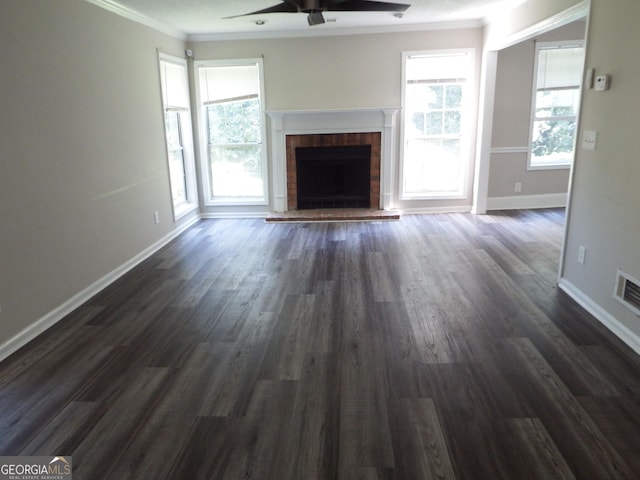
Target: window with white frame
179	138
231	102
435	137
555	103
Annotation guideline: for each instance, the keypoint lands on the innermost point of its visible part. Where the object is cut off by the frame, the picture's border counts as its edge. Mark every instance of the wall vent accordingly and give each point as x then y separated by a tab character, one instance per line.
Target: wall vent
627	291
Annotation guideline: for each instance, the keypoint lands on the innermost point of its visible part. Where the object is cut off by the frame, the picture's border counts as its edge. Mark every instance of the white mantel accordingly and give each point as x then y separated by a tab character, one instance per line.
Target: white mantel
307	122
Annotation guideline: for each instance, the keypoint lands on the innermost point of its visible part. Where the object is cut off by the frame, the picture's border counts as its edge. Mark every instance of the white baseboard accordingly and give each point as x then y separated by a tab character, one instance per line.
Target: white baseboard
604	317
61	311
524	202
234	215
420	210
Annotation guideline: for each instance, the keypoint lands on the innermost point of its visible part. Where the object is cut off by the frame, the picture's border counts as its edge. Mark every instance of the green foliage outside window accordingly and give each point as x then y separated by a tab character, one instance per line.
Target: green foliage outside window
234	122
554	125
234	141
440	113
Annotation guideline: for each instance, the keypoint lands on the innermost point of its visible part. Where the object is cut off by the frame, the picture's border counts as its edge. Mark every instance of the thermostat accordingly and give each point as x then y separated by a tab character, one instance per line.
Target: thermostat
602	83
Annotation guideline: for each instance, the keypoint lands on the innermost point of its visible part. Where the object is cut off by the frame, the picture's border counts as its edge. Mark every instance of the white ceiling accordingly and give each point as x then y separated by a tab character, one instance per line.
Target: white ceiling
204	19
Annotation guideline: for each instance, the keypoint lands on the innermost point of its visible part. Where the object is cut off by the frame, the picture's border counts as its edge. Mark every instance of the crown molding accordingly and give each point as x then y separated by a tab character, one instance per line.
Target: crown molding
134	16
576	12
335	32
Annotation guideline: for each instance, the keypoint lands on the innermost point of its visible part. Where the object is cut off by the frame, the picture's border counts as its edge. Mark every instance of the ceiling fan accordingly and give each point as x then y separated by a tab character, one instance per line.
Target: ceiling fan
314	8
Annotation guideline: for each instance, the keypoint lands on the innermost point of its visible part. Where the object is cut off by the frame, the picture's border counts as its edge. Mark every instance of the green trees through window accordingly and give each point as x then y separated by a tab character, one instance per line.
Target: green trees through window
556	100
234	148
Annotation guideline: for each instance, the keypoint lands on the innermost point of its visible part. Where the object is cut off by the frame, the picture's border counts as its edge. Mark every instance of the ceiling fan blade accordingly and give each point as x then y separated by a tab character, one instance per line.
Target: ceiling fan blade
284	7
315	8
365	6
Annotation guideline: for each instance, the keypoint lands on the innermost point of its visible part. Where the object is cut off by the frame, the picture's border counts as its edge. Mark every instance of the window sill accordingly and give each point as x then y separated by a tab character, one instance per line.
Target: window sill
183	210
549	166
235	202
433	196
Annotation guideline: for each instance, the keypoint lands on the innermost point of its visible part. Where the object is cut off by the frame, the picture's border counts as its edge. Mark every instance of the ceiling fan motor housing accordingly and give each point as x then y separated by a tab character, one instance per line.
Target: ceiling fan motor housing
315	18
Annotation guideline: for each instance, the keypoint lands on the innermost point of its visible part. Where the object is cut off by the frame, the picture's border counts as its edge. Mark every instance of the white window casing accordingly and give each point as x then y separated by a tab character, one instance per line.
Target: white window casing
178	134
555	101
230	99
436	147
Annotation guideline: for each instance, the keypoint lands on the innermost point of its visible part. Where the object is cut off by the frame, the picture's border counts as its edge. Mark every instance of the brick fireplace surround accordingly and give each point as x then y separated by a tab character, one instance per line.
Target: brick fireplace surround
330	140
368	126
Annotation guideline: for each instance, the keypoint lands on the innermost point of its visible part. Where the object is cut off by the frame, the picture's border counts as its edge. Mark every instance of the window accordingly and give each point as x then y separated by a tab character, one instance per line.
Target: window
178	134
435	146
232	113
555	103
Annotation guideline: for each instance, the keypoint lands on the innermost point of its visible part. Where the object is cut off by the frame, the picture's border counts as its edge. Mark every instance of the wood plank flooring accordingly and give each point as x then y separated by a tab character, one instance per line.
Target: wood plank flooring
436	347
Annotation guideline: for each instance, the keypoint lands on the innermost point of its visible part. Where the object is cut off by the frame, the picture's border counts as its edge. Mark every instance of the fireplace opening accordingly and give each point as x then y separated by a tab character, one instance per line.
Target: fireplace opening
333	176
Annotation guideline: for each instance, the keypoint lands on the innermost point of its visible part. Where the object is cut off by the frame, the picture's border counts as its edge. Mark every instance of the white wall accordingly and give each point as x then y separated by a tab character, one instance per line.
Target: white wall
82	156
343	72
606	194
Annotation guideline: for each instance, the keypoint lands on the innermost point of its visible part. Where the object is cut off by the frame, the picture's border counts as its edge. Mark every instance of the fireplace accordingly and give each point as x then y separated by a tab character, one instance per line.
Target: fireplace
339	170
333	177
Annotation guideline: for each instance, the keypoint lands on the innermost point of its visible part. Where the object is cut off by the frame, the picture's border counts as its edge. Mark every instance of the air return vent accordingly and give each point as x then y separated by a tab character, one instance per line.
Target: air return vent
627	292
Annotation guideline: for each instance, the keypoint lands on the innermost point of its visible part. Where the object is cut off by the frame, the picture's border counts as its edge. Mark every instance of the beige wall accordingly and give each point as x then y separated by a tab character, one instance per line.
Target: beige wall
606	194
358	71
512	109
82	156
335	72
527	15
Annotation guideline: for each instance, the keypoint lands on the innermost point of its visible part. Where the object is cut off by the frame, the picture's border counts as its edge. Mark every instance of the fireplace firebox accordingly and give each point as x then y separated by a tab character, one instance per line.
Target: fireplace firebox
370	141
333	176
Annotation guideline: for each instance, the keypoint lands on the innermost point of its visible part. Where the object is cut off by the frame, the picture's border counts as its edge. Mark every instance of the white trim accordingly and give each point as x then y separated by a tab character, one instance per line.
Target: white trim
468	113
619	329
184	210
360	110
552	45
134	16
486	104
571	14
311	122
54	316
427	210
213	215
338	31
205	181
186	134
520	202
548	166
507	150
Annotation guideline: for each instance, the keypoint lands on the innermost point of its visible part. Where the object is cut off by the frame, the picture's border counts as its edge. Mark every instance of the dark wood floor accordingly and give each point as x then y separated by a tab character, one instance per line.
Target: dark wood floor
436	347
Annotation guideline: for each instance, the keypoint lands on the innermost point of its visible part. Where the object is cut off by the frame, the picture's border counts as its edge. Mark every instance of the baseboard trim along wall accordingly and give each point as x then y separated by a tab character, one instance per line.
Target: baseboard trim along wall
222	215
422	210
520	202
604	317
57	314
